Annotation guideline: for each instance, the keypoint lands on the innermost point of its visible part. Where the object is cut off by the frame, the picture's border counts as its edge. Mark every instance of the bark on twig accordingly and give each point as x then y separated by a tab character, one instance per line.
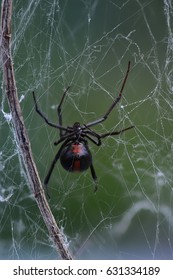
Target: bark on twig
21	135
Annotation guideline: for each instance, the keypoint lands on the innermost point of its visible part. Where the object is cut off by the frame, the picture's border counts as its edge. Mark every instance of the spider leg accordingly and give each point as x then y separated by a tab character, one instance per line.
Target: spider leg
92	133
64	137
114	132
99	137
56	158
47	178
94	176
44	117
114	102
59	110
98	142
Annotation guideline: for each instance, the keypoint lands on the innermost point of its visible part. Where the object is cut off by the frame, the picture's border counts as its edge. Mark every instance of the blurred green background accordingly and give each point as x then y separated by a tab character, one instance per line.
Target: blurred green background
87	44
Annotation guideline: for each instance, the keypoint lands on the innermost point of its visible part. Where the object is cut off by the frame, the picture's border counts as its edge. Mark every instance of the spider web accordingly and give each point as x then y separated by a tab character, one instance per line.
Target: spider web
87	45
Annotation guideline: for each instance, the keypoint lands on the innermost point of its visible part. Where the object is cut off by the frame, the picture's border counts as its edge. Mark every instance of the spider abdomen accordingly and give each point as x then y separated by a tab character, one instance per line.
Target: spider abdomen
76	157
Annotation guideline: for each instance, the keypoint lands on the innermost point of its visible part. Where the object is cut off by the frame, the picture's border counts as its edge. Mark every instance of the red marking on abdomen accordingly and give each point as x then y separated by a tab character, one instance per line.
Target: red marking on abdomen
76	165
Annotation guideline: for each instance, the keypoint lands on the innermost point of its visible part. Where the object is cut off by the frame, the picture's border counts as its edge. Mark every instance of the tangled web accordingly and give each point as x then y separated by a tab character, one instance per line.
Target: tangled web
87	45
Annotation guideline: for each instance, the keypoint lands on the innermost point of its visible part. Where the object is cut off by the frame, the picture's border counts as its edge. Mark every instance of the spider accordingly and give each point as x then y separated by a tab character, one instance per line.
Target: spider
74	153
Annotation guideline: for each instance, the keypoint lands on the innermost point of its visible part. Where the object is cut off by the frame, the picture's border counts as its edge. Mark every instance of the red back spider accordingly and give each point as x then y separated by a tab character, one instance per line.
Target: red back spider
74	153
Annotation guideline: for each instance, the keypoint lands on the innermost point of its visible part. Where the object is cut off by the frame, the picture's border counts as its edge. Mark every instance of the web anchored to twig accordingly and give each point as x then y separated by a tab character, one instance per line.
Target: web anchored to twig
21	136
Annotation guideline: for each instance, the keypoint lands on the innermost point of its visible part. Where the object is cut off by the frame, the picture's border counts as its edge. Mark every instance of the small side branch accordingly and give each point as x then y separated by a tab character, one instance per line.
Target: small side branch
21	135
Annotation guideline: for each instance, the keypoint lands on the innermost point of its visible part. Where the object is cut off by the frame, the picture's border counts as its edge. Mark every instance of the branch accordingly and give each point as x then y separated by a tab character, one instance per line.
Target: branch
21	135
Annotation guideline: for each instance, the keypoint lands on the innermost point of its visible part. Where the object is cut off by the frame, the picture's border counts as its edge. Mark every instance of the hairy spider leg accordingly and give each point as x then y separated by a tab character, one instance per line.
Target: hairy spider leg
114	102
60	112
100	136
94	176
56	158
45	118
115	132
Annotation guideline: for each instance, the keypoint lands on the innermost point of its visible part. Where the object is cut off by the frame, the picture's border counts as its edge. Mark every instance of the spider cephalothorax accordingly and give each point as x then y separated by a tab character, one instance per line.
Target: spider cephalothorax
74	153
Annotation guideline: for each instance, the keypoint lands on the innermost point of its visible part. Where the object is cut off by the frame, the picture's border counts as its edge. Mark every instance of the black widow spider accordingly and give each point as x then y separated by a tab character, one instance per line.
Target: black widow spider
74	153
